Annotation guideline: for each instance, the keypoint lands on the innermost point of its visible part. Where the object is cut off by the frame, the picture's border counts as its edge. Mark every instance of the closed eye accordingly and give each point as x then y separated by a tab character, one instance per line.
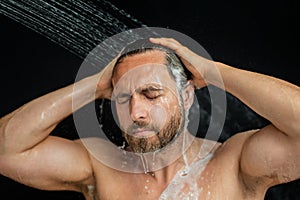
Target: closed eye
123	98
152	93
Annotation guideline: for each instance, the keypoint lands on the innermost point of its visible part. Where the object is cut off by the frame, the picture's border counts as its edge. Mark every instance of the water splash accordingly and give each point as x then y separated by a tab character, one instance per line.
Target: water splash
185	183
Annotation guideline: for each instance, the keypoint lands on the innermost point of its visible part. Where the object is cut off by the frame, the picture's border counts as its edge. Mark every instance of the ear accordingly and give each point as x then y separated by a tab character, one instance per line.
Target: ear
188	95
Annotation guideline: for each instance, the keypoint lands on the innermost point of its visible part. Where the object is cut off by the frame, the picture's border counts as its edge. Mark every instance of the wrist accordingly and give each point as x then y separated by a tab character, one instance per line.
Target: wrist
213	73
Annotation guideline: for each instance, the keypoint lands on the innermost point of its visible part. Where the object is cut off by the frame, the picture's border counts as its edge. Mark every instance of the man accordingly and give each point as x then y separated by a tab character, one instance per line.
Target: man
152	101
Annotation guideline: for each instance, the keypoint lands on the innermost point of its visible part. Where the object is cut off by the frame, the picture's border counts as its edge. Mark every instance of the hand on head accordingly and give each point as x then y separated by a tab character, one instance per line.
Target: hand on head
196	64
104	85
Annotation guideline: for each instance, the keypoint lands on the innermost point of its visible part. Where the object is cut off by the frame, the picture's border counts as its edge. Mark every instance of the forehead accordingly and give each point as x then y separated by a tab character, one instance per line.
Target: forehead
143	69
133	61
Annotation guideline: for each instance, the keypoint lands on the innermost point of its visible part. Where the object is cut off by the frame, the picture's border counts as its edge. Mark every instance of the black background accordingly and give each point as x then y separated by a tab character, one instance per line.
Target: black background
259	36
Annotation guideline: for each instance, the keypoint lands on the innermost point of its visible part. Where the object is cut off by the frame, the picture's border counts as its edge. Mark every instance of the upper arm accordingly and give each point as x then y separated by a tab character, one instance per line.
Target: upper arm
54	164
271	154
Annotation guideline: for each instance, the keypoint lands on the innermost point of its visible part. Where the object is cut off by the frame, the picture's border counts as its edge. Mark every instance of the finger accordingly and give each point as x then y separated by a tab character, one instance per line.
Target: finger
174	45
167	42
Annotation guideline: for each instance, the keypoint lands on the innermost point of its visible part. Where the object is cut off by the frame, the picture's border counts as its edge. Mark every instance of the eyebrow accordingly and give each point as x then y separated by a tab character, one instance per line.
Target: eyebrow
143	89
150	88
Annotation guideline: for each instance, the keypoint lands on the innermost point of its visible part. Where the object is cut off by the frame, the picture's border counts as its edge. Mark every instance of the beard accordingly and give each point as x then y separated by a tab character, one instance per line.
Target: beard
155	142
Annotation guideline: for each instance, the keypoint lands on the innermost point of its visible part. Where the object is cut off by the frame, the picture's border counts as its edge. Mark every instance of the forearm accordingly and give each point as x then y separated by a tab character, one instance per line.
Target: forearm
275	99
33	122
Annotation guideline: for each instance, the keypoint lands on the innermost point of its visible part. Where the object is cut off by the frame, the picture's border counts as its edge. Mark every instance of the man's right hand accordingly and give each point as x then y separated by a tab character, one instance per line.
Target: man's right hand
104	86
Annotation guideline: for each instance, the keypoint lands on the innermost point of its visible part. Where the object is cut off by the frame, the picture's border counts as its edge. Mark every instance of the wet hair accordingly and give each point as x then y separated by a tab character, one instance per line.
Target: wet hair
175	67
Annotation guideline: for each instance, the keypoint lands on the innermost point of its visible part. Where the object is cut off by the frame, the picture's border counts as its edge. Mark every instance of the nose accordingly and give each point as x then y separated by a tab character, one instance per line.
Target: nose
138	109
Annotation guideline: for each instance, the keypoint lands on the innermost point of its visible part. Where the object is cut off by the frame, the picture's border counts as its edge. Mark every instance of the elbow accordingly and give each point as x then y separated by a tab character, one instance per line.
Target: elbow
2	137
2	134
6	137
295	125
292	123
295	129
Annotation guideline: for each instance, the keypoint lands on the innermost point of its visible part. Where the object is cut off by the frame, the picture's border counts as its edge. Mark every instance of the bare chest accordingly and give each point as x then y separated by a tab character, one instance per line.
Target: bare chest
194	185
212	178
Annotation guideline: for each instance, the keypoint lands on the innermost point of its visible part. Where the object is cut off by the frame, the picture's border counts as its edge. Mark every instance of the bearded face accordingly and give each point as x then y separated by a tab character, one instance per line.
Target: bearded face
156	138
147	102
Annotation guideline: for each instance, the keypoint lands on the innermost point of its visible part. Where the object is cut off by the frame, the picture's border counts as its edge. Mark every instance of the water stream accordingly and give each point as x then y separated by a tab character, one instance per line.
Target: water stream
77	25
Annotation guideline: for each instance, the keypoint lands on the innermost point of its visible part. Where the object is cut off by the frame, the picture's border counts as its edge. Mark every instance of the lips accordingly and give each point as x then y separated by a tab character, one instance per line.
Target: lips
143	133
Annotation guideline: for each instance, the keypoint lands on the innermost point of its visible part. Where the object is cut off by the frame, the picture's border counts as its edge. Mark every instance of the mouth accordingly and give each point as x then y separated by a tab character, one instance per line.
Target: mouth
140	133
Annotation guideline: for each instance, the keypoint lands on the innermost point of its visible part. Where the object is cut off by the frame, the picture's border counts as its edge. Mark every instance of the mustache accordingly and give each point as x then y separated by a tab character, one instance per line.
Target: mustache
141	126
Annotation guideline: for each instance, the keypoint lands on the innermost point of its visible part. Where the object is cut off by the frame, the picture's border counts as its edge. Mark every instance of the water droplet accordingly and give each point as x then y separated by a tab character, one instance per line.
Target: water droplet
124	164
122	147
144	164
184	172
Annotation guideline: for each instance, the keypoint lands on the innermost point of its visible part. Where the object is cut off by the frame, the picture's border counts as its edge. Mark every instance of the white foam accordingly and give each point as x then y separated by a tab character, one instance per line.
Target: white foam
187	179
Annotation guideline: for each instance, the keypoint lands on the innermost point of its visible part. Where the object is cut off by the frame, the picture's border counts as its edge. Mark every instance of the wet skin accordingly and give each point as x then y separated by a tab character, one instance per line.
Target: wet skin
244	167
221	176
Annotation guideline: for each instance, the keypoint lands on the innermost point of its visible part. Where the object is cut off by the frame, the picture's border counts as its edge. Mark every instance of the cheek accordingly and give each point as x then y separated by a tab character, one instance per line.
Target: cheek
158	115
123	117
162	113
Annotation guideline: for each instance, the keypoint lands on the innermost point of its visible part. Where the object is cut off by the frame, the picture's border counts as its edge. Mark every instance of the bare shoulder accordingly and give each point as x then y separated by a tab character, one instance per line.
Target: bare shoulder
228	153
226	163
233	146
244	155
